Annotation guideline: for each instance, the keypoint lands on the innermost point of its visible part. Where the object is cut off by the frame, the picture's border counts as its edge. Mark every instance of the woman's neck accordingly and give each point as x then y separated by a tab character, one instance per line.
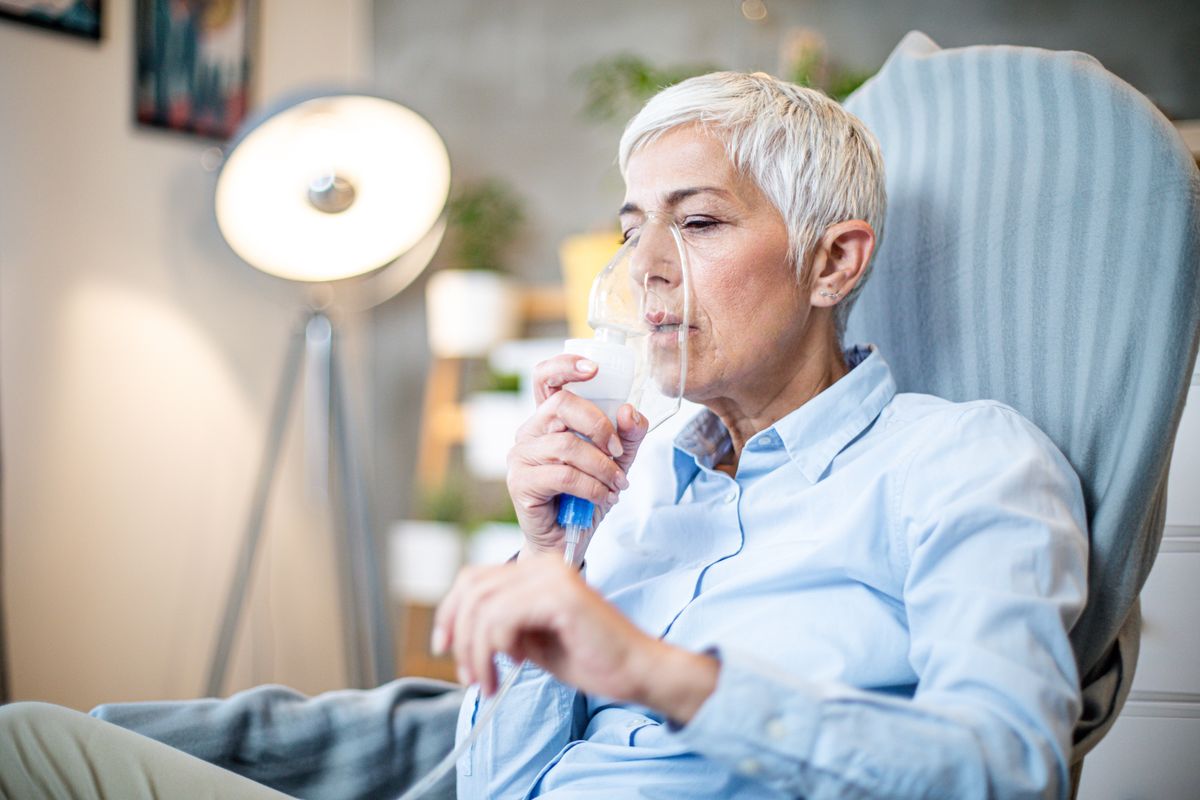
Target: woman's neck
809	377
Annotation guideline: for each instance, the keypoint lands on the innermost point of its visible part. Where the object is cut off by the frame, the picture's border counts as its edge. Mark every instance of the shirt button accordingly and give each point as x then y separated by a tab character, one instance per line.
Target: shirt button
729	498
776	729
749	766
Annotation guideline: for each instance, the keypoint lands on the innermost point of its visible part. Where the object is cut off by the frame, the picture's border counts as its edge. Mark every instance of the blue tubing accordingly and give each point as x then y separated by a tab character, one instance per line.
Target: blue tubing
575	511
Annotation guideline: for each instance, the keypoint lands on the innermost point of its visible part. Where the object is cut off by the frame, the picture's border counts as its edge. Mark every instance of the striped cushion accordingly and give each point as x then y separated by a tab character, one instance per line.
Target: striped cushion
1041	248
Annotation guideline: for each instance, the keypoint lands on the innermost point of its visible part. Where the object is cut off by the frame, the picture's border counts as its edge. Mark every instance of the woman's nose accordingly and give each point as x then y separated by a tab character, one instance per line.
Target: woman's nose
655	256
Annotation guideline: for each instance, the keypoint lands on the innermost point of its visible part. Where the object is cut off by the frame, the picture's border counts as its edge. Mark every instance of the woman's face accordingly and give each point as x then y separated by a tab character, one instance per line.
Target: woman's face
748	313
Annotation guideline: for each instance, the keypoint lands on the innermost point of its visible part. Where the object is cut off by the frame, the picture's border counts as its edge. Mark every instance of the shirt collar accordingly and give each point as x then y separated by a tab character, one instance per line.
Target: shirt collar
812	434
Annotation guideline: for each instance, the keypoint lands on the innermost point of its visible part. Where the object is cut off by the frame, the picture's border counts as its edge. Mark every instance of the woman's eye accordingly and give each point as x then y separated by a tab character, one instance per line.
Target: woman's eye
699	223
628	234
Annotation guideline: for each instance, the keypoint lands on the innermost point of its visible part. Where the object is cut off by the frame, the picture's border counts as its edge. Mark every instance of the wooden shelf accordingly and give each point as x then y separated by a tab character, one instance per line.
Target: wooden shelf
413	657
443	421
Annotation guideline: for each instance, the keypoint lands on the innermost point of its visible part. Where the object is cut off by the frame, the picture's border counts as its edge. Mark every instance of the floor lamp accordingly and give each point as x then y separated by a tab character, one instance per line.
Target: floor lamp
345	191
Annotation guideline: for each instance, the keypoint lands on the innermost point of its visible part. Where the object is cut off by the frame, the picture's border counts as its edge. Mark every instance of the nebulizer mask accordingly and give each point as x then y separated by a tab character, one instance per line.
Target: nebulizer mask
640	312
639	309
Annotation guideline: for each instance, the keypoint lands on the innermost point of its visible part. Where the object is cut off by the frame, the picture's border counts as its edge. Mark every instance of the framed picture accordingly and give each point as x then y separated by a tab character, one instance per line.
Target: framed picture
76	17
193	65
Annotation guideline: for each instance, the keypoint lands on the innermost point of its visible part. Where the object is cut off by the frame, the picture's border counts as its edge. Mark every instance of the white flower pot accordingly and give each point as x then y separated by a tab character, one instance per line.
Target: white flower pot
492	419
494	543
423	559
469	312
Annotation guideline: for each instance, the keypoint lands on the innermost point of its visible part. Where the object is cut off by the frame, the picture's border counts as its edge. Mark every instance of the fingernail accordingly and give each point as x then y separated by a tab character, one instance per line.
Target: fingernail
622	481
463	677
583	365
437	643
612	498
614	446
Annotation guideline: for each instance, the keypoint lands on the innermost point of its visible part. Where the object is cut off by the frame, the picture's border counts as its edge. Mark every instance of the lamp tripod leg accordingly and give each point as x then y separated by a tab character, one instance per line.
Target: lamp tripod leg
323	482
366	626
372	618
254	524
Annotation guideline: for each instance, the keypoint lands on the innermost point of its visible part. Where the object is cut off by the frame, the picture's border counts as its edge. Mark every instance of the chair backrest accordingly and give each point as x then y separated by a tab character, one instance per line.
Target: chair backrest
1041	248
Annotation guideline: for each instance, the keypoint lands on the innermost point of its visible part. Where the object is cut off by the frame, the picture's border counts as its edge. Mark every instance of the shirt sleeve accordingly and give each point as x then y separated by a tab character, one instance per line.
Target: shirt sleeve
991	518
515	744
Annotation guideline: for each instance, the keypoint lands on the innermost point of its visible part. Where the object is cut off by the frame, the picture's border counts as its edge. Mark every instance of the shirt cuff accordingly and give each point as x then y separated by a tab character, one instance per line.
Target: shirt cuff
759	721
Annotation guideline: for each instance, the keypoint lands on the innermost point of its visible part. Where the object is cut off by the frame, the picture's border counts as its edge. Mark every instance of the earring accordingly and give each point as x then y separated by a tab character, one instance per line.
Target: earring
834	295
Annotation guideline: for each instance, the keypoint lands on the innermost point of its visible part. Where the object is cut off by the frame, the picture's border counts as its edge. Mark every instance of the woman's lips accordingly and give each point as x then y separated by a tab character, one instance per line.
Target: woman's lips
662	322
671	330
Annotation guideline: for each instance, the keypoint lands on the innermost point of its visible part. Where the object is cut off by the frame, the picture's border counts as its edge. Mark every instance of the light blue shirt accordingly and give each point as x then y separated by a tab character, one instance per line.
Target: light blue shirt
888	582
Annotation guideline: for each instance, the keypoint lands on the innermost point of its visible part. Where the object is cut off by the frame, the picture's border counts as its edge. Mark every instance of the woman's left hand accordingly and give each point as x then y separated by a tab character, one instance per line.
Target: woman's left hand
540	609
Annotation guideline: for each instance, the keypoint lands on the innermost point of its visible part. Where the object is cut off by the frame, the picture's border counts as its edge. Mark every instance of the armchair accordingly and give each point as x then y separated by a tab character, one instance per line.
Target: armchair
1041	249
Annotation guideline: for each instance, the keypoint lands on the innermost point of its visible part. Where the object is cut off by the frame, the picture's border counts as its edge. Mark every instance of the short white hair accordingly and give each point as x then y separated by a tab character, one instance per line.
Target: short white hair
817	163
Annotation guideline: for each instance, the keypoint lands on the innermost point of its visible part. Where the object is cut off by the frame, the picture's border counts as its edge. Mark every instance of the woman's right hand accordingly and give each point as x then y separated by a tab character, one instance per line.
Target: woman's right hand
549	459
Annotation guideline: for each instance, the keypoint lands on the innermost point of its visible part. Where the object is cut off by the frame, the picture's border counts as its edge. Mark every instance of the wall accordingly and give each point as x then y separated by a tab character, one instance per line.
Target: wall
138	363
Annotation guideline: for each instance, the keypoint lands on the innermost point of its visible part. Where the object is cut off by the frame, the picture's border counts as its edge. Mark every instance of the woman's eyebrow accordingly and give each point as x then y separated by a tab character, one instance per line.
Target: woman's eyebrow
675	197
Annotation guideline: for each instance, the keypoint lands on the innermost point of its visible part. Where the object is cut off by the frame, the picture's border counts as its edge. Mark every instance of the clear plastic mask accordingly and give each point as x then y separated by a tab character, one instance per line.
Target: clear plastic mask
642	301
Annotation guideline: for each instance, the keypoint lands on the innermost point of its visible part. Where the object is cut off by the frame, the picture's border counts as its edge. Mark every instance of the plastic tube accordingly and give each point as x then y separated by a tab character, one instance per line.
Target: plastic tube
573	537
446	764
577	509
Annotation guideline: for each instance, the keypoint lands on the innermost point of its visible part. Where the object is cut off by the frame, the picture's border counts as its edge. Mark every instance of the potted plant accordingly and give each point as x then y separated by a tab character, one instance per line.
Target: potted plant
616	86
474	306
804	59
490	416
496	538
425	554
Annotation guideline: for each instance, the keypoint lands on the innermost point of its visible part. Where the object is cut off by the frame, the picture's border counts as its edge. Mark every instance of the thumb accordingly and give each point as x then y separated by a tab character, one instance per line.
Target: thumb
631	428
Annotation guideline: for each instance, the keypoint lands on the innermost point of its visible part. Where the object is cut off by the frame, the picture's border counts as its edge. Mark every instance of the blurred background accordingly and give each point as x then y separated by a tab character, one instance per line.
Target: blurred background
140	356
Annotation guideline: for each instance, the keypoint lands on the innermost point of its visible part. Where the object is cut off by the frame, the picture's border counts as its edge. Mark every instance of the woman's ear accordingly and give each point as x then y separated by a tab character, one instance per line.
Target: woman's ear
841	260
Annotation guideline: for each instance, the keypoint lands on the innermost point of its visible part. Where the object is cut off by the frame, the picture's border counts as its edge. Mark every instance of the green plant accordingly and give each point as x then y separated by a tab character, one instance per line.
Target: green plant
484	220
504	511
447	503
502	382
615	87
805	60
843	83
465	503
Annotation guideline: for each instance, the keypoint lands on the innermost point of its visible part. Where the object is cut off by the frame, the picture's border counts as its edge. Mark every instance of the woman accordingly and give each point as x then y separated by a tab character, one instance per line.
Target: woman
819	588
826	588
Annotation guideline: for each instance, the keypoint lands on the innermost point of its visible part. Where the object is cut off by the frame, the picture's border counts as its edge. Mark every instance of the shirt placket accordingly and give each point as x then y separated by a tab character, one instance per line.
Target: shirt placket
720	496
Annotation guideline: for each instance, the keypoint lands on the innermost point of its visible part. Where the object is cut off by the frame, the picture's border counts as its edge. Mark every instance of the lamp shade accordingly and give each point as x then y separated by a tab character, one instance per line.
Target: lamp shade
332	187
